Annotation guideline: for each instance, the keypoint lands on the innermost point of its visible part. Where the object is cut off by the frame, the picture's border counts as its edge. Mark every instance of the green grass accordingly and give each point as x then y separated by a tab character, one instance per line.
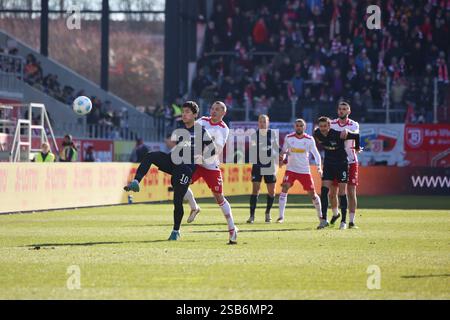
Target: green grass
122	253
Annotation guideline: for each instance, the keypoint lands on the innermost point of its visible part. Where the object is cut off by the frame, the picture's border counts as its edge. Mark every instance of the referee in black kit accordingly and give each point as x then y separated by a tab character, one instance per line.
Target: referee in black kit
264	151
335	166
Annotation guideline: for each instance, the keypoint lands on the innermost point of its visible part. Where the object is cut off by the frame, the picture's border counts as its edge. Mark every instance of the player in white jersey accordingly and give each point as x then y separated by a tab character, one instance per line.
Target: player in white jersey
210	171
343	122
297	146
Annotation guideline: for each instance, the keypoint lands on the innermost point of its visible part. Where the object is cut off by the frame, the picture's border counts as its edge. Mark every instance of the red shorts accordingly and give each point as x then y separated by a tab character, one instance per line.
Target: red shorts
213	178
305	179
352	175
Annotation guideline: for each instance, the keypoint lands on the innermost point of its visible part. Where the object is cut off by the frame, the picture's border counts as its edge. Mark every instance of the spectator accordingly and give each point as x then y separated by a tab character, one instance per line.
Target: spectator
298	84
316	72
139	152
69	152
89	156
295	29
260	34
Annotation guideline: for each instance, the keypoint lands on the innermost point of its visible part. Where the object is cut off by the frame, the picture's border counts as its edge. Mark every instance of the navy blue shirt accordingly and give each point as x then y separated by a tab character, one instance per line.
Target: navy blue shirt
197	134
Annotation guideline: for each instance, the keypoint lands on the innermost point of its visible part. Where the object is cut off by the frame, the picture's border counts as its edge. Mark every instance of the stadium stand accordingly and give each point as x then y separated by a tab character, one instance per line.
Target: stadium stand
111	118
266	61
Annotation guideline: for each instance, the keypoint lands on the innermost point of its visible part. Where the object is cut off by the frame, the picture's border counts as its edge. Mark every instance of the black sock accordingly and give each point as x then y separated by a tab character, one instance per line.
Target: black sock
179	192
270	200
343	206
253	202
324	201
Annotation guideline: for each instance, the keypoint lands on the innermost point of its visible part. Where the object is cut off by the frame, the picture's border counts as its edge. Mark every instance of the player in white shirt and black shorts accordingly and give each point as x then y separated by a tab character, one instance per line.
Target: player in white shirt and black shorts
297	147
343	122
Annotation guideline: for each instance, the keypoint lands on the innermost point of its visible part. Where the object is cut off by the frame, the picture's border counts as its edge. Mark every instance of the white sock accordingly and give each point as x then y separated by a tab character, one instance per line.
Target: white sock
335	211
189	196
282	203
318	205
226	209
352	217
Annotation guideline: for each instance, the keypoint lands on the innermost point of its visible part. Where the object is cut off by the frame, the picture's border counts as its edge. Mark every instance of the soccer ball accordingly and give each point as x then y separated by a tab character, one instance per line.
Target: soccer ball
82	105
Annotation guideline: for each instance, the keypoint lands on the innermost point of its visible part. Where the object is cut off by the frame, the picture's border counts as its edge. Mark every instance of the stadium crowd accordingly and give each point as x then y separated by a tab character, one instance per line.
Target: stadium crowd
265	53
268	54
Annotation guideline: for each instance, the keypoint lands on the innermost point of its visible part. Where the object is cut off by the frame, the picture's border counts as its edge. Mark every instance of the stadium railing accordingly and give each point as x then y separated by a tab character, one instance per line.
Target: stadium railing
154	132
11	69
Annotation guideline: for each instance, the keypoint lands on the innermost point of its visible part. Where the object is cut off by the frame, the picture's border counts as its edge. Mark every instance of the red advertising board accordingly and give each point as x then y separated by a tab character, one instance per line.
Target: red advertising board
427	137
103	149
427	145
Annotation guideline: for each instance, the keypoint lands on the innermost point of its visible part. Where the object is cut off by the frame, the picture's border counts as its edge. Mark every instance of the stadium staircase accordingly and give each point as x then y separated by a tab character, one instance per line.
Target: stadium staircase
143	124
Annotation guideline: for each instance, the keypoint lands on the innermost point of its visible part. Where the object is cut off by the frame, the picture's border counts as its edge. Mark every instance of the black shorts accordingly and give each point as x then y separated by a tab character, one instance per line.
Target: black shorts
338	172
257	176
182	175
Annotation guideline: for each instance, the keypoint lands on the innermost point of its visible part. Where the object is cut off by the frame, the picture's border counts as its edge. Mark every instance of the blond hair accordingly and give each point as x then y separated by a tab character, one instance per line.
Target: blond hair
223	105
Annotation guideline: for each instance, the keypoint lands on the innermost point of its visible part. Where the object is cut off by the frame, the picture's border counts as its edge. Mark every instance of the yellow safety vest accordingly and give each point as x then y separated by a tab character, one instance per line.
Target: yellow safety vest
49	158
63	154
177	111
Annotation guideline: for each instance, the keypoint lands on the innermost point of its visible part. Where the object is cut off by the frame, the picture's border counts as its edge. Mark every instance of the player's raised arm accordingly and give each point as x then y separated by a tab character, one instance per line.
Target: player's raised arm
284	151
208	146
316	154
346	135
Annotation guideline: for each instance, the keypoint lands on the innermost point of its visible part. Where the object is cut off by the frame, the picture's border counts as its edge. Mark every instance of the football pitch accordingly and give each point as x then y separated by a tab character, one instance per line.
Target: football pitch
121	252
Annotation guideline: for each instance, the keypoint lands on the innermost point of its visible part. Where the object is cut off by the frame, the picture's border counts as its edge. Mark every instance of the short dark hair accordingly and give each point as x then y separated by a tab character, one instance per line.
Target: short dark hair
192	106
344	103
324	119
301	120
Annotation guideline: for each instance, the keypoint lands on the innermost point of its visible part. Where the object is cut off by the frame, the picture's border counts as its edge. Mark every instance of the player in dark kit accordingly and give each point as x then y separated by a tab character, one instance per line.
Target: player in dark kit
263	142
180	162
335	166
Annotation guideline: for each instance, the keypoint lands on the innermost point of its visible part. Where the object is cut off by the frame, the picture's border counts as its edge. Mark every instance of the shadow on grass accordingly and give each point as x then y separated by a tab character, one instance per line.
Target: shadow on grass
171	225
404	202
88	244
250	231
289	205
427	276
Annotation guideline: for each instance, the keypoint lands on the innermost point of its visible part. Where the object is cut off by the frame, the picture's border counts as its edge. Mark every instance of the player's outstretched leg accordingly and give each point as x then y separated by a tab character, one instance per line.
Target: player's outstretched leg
343	206
256	185
352	203
270	200
180	183
253	204
226	210
195	209
160	159
282	200
324	203
333	197
316	202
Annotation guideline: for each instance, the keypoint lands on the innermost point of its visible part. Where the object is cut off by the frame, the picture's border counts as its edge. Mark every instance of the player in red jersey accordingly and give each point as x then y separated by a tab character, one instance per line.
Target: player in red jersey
210	172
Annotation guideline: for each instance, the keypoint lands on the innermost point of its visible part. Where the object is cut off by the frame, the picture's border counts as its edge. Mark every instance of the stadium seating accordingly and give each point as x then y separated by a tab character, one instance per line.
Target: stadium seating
264	60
